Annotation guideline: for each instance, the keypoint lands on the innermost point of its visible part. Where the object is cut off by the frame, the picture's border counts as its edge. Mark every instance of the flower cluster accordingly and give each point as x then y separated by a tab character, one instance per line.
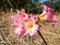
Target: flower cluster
26	24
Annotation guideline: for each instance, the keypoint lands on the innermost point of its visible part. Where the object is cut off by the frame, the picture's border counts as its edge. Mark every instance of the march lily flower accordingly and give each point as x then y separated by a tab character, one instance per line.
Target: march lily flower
31	26
48	15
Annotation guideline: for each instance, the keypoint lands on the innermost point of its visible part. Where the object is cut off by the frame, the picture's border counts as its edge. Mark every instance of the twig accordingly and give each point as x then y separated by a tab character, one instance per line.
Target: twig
6	37
2	40
42	37
1	37
10	3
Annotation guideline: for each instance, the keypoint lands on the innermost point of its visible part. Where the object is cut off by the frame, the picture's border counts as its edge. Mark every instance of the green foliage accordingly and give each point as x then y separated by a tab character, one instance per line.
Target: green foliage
28	5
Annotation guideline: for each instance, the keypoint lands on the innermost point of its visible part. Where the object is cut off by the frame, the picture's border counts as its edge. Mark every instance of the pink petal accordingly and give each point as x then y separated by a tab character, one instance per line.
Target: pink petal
54	19
32	34
34	29
18	31
45	8
27	32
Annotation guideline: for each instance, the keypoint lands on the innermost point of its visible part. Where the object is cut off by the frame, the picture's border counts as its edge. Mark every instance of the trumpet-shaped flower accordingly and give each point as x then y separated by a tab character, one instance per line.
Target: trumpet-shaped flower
48	15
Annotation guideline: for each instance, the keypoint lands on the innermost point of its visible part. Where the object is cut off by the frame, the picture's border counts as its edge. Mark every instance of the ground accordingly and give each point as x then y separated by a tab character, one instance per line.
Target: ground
7	37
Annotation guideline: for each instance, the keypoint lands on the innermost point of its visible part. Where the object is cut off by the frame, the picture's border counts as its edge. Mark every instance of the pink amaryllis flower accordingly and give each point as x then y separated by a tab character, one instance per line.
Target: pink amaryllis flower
48	15
31	26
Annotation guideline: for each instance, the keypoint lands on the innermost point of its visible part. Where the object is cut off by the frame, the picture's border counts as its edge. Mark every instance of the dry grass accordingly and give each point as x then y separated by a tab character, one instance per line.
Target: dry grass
7	37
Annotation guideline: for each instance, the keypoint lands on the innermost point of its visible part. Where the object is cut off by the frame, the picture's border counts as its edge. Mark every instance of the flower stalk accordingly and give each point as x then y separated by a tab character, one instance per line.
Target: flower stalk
39	33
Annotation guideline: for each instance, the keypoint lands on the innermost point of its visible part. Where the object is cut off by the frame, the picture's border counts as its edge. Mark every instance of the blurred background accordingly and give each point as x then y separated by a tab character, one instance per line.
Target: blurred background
29	5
